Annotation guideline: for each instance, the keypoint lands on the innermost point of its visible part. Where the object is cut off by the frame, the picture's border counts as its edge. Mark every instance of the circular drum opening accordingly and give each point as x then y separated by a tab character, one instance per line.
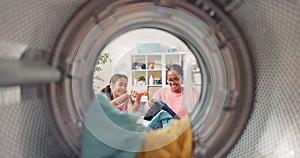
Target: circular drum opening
216	47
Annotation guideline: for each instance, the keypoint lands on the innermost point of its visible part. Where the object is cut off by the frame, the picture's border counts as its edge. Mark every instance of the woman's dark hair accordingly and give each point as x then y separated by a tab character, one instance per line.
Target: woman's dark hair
113	79
176	68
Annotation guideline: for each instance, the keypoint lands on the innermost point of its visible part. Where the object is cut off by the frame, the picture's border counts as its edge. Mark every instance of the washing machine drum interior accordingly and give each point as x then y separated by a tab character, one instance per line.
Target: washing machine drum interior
246	73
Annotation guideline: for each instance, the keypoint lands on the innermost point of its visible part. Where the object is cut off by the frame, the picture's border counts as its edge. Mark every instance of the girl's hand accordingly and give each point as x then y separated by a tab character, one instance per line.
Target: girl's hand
135	94
144	93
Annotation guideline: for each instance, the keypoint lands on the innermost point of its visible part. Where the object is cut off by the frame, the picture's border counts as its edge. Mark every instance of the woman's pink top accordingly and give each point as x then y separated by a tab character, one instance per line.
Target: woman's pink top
175	101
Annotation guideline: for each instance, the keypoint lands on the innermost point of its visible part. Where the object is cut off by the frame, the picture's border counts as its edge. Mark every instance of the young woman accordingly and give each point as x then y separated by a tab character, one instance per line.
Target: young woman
117	93
173	95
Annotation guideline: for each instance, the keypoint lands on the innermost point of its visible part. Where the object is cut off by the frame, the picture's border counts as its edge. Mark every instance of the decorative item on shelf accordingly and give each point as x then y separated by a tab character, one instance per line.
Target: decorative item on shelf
150	80
157	65
135	66
149	47
135	81
150	65
172	49
142	80
138	66
143	66
157	80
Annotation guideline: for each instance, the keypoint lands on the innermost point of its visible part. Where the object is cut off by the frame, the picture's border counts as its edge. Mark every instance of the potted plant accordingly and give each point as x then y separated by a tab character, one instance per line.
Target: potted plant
102	60
141	80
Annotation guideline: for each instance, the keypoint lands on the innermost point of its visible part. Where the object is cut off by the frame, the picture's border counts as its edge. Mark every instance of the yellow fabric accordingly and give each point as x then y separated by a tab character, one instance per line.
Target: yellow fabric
174	141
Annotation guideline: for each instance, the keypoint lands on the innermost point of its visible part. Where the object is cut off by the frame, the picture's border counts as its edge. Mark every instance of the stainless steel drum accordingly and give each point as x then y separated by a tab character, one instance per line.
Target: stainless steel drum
248	51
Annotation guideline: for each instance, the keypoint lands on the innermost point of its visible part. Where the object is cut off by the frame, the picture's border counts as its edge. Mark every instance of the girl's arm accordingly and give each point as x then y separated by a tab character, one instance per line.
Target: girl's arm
120	99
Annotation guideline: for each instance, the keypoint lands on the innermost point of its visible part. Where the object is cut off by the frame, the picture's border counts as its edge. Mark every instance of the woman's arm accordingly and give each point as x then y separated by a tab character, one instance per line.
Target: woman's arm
157	95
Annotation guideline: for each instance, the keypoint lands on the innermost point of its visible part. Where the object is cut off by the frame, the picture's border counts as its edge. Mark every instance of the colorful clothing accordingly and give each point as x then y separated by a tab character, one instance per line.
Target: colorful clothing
107	132
175	101
173	141
124	106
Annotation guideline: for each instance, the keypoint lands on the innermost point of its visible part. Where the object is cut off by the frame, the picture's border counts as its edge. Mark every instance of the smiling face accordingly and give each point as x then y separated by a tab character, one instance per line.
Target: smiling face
119	87
174	81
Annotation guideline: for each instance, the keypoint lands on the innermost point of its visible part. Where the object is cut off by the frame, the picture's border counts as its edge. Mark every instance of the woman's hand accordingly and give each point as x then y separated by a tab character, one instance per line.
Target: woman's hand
149	103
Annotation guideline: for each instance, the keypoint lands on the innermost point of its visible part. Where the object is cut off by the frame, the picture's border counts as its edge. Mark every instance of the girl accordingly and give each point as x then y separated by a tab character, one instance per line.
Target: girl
117	93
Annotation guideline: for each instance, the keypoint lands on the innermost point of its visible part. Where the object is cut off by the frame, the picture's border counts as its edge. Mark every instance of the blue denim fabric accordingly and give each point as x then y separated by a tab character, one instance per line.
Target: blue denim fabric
165	107
161	120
